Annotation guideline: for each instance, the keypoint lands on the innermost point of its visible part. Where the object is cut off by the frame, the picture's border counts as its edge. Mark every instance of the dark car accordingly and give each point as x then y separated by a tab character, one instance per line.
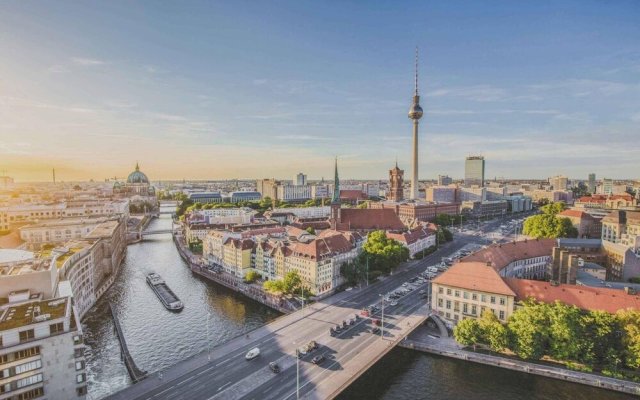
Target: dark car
338	328
375	330
352	321
274	367
344	323
317	359
357	317
332	331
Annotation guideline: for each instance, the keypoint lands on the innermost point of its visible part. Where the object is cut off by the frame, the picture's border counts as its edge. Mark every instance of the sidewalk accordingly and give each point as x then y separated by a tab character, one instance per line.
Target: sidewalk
449	348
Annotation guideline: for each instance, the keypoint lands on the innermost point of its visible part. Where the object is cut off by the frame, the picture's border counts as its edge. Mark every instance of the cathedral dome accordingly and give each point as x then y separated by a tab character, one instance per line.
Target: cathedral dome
137	176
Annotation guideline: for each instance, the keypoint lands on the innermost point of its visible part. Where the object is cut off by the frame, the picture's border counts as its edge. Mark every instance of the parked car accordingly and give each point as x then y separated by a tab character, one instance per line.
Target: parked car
318	359
253	353
312	345
376	322
274	367
352	321
364	312
375	330
332	332
394	303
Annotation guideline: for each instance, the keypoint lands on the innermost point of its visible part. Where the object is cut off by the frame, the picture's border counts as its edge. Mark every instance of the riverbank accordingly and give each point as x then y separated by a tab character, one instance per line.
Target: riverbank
229	281
449	348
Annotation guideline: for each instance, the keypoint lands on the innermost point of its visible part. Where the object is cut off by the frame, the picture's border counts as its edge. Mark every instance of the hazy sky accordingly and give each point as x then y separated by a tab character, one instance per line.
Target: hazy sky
259	89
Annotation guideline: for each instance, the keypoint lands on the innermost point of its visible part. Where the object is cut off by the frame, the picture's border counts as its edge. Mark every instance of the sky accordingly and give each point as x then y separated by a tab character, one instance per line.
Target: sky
246	89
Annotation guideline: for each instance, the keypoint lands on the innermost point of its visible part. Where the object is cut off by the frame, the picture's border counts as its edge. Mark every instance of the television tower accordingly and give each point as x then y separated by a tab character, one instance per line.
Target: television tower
415	113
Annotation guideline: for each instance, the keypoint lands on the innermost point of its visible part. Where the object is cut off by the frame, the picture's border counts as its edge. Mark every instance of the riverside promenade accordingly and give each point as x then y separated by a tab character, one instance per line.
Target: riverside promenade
422	340
234	283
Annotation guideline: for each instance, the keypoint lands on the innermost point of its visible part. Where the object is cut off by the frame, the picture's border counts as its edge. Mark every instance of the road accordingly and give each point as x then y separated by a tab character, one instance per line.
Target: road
223	373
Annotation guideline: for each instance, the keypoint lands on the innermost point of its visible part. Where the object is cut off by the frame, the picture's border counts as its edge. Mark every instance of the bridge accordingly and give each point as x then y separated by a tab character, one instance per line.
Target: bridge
155	232
223	372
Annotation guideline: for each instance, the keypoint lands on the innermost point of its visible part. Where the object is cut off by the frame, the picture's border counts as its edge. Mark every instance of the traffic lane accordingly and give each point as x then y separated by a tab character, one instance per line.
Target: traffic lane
216	373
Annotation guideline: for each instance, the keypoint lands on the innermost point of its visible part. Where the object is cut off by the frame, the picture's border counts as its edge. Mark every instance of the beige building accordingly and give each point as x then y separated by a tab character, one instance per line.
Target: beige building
467	289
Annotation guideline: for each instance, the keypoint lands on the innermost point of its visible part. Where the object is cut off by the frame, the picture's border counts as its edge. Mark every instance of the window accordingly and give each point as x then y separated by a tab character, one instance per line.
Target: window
80	378
448	304
440	290
457	293
493	299
465	295
27	335
30	380
31	394
483	298
28	366
56	328
474	296
440	302
449	292
81	391
502	301
473	309
501	314
465	308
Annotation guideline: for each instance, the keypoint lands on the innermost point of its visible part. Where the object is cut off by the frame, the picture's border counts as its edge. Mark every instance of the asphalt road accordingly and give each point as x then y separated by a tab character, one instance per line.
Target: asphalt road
229	376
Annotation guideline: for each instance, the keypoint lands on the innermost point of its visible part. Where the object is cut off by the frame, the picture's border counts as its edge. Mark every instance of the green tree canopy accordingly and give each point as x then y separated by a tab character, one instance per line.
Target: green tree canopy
384	254
529	330
468	332
493	331
251	276
549	226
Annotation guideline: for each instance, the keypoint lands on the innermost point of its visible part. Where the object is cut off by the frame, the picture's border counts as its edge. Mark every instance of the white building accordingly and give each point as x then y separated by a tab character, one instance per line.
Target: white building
58	231
300	179
305	212
41	351
294	192
242	215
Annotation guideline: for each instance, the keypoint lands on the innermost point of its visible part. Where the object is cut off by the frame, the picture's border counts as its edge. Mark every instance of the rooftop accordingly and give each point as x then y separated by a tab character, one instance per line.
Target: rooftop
474	276
501	255
32	313
584	297
11	256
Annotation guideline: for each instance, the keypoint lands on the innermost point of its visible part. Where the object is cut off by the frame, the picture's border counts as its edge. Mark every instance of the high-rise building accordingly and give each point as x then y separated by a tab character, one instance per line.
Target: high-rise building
415	113
474	171
300	179
396	184
592	183
444	180
607	186
559	182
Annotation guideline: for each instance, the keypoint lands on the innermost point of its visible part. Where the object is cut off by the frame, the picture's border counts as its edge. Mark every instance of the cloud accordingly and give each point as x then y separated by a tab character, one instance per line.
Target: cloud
301	137
86	62
57	69
481	93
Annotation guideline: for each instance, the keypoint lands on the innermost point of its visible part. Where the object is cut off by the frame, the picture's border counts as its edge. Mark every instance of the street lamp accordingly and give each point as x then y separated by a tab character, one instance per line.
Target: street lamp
208	339
382	319
297	374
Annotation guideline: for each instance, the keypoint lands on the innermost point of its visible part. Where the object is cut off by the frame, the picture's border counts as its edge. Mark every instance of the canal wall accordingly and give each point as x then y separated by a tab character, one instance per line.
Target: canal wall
136	373
603	382
232	282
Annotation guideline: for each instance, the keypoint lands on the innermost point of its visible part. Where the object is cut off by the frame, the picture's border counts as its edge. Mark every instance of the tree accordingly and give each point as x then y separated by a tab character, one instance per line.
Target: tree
553	208
251	276
601	344
630	322
384	254
549	226
494	333
363	205
275	286
468	332
291	282
529	332
566	332
311	230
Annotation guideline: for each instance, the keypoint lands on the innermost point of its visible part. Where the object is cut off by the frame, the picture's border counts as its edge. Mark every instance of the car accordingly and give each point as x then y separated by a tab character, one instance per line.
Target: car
344	323
376	322
357	317
364	312
405	284
375	330
302	351
338	328
253	353
318	359
312	345
422	291
394	303
352	321
332	332
349	289
274	367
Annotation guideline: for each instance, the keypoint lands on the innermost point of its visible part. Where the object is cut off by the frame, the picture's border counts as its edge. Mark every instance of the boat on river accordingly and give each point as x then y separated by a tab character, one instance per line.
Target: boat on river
168	299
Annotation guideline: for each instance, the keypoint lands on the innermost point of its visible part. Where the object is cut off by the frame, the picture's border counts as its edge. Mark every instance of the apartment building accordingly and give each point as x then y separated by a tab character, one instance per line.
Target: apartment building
41	348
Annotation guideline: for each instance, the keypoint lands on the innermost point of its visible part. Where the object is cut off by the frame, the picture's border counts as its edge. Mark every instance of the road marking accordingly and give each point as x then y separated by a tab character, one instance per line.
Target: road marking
226	384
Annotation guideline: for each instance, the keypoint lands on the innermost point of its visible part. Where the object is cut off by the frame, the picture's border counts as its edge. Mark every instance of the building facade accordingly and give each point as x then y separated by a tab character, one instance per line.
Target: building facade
474	171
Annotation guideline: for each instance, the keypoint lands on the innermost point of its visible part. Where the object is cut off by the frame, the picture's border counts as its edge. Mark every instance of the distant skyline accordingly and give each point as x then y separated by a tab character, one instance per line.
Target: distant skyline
257	90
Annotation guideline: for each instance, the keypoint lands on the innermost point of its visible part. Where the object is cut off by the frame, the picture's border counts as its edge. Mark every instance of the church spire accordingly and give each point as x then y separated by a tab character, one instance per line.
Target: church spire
336	185
137	166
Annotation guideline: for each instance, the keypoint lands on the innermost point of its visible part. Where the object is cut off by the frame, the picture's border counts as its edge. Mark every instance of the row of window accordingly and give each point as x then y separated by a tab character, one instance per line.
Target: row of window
19	355
474	296
21	383
20	369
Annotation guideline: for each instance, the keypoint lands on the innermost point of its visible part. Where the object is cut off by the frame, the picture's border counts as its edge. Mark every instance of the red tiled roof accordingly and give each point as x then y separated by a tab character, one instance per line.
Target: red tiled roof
584	297
242	244
411	236
501	255
474	276
574	214
322	247
370	219
352	195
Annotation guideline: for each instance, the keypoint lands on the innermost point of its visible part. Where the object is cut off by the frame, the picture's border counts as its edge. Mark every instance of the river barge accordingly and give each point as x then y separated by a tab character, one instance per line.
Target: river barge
168	299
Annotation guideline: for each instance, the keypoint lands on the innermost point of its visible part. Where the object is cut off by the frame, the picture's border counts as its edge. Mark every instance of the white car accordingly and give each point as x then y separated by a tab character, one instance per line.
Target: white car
253	353
394	303
348	289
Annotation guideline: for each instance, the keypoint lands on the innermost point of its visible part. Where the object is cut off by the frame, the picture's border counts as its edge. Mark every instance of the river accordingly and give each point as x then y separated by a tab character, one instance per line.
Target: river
158	338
